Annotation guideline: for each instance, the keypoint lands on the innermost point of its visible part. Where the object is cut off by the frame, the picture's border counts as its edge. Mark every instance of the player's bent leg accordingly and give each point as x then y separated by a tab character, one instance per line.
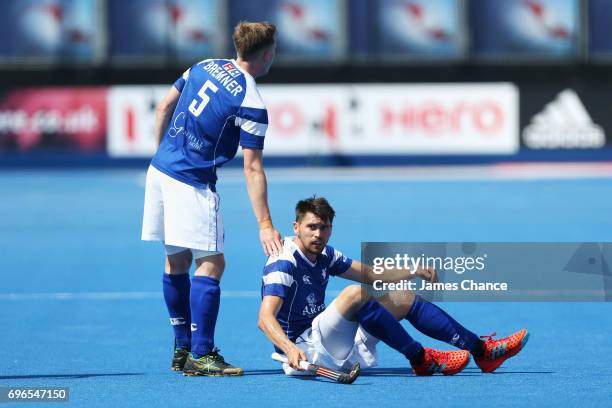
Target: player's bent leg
431	320
176	288
354	303
205	298
380	318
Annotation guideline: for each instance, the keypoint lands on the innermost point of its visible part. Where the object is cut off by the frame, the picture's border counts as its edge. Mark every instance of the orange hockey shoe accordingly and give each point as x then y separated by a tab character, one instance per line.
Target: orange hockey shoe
498	351
445	362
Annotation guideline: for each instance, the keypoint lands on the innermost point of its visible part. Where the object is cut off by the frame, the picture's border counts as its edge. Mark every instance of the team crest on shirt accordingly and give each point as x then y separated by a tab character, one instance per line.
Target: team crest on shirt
312	308
306	280
324	273
231	69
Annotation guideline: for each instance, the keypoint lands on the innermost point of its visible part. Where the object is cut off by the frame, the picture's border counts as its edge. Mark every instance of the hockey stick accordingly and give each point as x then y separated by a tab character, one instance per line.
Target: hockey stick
338	376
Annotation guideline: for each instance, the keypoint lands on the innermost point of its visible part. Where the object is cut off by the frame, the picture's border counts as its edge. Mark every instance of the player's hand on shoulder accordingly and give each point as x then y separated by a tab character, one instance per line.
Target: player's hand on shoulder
294	356
270	241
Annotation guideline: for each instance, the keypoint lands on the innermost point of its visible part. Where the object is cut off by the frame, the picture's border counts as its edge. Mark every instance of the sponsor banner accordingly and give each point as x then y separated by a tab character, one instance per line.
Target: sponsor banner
525	28
600	30
557	117
311	124
298	126
433	119
351	119
131	120
52	119
432	28
311	29
142	30
50	30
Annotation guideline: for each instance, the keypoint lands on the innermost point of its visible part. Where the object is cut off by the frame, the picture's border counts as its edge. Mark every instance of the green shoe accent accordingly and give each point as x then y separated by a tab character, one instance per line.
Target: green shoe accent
178	359
211	364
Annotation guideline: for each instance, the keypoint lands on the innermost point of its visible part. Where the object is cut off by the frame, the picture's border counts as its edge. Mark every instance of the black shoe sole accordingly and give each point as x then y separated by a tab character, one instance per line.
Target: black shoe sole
201	374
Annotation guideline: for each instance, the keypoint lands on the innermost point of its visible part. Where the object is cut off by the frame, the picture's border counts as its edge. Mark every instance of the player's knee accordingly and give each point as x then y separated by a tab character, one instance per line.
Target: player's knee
355	295
217	264
403	298
399	303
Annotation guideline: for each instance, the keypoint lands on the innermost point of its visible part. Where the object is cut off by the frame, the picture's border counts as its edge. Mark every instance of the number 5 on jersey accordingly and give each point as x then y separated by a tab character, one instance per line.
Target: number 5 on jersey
195	108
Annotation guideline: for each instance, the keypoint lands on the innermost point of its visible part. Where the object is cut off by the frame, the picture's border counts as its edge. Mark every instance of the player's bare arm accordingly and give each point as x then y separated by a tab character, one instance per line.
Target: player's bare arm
164	112
257	188
362	273
268	323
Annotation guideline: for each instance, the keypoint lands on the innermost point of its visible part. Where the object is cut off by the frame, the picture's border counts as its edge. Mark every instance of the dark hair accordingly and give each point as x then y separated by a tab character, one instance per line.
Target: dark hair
316	205
252	37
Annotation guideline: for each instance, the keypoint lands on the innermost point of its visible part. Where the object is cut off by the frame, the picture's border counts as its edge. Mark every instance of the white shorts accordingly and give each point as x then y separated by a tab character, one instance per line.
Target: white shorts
181	215
364	349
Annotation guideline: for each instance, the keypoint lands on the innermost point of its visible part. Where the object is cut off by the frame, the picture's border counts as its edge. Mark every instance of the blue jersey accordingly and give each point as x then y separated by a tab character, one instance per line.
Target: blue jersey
301	284
218	109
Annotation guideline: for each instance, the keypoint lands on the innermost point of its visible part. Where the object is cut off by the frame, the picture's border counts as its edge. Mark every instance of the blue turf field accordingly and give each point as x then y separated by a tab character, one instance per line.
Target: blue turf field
81	306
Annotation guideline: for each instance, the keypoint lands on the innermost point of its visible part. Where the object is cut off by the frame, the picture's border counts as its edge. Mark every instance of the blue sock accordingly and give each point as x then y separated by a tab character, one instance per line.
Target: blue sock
176	295
429	319
205	299
381	324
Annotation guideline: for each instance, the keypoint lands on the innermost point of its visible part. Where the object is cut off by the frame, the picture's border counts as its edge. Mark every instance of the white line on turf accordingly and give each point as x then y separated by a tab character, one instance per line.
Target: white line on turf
245	294
486	172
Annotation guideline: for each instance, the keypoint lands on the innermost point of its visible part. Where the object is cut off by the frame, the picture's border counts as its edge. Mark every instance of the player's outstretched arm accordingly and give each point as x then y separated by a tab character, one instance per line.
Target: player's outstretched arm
362	273
257	187
268	323
164	112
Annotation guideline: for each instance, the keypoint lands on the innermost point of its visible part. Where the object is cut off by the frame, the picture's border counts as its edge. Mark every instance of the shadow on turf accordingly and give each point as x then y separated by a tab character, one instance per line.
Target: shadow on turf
263	372
370	372
64	376
503	371
396	372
